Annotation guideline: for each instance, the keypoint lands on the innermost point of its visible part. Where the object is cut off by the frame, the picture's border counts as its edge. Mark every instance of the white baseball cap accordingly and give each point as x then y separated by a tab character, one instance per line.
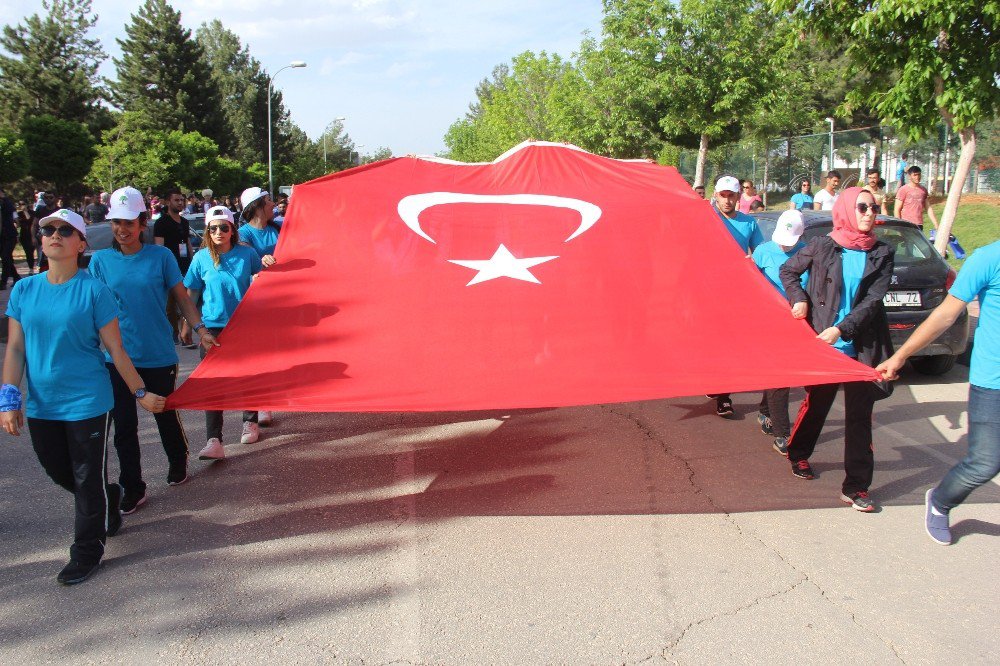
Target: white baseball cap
219	213
126	204
69	217
250	195
727	184
789	228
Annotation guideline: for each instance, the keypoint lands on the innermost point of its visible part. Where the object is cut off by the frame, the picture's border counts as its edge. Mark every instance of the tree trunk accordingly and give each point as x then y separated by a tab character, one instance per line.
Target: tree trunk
699	169
962	168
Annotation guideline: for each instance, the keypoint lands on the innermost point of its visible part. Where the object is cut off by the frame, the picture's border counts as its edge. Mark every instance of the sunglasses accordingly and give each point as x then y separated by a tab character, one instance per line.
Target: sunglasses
218	228
863	208
65	231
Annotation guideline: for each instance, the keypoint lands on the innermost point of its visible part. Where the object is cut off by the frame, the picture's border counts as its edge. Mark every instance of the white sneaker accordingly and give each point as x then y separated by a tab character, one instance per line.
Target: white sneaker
263	419
251	433
213	450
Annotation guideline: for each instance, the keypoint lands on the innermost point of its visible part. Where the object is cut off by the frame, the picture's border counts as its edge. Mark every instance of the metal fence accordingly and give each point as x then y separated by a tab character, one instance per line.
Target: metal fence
779	164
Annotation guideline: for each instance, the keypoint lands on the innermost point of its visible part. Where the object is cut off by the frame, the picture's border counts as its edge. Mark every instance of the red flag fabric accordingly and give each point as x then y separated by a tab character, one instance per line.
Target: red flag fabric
549	277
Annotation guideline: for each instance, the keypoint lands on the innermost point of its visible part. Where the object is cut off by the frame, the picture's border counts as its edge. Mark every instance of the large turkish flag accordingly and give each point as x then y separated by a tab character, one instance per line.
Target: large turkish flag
550	277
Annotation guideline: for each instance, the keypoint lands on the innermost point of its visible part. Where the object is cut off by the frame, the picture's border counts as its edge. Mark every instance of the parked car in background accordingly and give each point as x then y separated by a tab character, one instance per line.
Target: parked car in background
920	280
99	237
196	223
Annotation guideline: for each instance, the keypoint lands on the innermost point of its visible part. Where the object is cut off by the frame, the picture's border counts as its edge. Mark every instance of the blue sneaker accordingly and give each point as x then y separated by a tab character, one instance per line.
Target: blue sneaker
937	526
766	426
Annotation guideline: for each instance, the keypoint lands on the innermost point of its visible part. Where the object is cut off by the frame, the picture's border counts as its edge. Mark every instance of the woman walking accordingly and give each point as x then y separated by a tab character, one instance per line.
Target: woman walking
259	231
219	276
141	277
849	273
58	321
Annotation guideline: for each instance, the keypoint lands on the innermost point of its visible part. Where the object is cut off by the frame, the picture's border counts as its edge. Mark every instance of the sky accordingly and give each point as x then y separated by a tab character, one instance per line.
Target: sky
399	71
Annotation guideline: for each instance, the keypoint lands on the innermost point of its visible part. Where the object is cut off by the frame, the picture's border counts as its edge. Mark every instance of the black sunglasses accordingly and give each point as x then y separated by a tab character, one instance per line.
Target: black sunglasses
212	228
863	208
65	231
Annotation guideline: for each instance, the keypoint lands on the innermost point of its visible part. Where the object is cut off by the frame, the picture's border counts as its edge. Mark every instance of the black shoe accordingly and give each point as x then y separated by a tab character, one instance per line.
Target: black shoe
178	473
114	509
724	407
781	445
859	501
132	500
76	572
801	469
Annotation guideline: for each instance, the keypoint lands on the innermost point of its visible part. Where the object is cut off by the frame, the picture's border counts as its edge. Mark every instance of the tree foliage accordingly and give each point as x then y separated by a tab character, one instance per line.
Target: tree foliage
59	151
944	55
50	64
161	159
14	162
163	76
242	85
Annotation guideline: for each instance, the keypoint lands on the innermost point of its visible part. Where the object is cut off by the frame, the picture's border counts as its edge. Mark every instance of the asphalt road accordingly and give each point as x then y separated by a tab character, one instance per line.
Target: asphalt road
650	532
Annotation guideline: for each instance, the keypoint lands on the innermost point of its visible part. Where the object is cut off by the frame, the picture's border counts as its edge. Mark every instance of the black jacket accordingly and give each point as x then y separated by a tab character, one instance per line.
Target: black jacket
866	324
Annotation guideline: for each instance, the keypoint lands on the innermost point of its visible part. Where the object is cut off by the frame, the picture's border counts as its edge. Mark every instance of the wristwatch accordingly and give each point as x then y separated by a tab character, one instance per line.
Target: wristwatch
140	393
198	327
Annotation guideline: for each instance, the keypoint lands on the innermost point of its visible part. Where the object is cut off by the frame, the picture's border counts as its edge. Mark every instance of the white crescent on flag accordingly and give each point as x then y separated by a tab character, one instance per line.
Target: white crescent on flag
411	207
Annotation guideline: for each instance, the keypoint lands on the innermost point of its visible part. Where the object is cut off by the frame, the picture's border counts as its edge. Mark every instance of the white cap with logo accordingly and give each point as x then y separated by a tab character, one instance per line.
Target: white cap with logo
727	184
67	216
126	204
219	213
789	228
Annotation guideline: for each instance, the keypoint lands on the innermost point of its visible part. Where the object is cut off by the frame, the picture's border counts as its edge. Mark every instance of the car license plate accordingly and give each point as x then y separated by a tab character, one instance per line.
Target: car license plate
902	299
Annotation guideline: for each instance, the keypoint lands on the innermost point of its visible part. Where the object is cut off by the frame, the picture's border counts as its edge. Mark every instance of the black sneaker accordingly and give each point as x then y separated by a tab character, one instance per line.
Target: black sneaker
766	426
724	407
76	572
132	500
859	501
114	509
781	445
178	473
801	469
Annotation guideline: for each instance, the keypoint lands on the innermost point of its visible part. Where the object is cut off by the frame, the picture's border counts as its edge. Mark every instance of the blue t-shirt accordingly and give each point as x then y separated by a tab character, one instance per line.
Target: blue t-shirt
64	364
854	270
262	240
980	278
769	258
140	283
744	229
803	201
223	286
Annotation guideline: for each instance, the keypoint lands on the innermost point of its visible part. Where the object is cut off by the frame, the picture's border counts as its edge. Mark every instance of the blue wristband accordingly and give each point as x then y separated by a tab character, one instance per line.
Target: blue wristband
10	398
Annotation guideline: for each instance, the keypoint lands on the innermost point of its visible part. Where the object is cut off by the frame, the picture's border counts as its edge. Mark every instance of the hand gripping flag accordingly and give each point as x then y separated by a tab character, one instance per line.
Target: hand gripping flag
549	277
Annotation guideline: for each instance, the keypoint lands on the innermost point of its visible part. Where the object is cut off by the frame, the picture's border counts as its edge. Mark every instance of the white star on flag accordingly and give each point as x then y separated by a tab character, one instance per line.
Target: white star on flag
502	264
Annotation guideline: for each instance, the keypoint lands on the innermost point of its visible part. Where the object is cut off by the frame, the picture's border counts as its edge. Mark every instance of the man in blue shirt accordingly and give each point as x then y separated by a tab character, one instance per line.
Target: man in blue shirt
747	235
979	278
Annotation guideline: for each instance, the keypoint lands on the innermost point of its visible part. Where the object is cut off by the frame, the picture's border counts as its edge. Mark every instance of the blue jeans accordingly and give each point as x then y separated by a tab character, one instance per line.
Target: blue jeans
982	462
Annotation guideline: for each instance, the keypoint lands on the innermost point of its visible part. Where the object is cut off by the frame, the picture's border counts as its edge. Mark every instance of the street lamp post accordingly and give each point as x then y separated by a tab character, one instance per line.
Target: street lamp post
325	132
270	83
830	120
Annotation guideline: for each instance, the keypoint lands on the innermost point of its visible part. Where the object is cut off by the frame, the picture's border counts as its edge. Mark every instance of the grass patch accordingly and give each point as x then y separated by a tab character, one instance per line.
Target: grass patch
977	223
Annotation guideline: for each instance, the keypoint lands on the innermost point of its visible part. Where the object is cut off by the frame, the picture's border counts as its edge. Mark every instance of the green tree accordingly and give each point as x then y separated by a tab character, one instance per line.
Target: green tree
14	161
694	68
59	151
50	65
538	97
242	86
164	77
945	55
159	159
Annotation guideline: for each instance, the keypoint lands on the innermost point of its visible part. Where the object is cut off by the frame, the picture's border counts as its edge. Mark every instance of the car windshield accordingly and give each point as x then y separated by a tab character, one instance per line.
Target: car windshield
909	242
